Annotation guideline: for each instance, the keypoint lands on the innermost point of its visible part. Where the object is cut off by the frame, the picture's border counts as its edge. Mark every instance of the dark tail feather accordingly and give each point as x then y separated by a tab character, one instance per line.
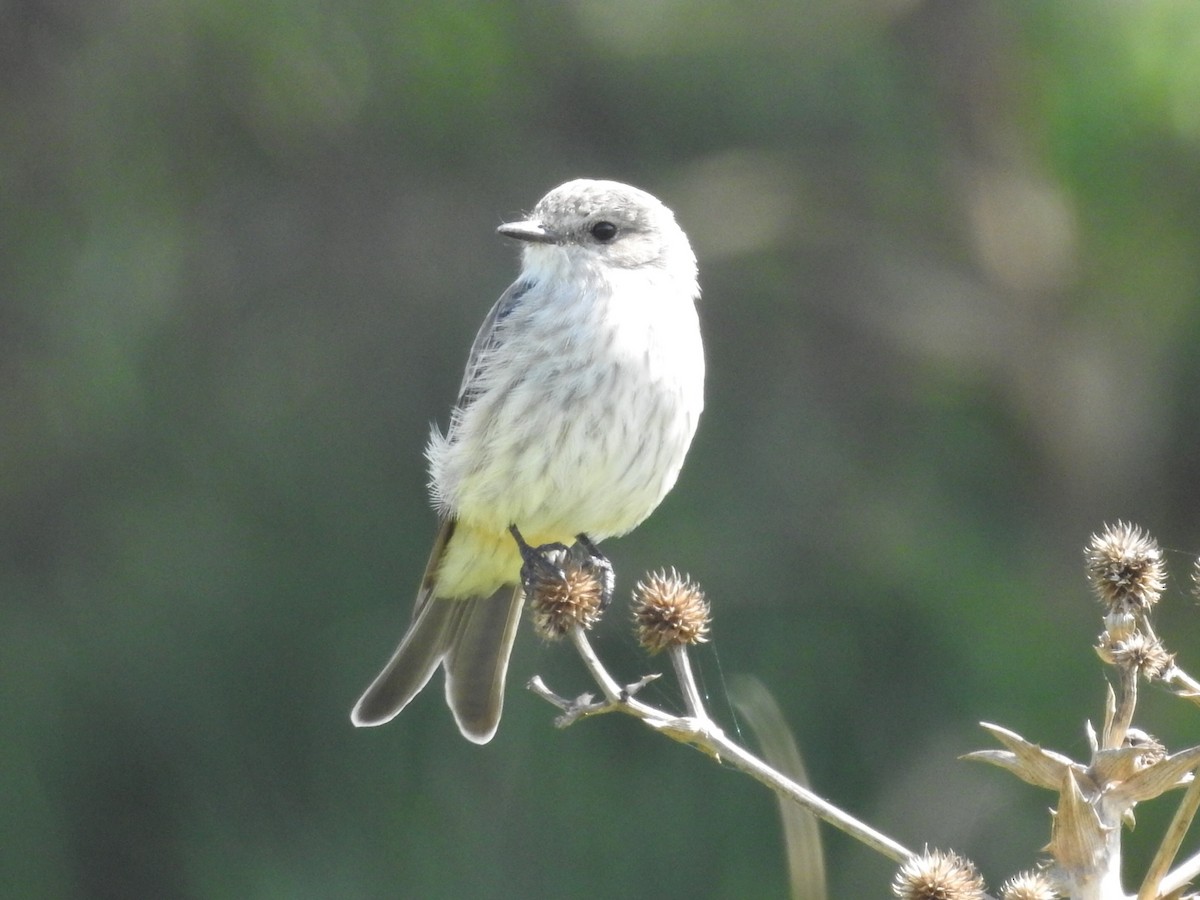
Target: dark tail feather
477	661
412	665
474	639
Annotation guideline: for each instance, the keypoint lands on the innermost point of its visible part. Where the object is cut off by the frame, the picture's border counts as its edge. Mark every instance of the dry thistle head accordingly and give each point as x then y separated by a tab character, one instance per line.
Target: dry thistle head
1152	750
669	610
1029	886
1125	568
1138	653
938	876
559	604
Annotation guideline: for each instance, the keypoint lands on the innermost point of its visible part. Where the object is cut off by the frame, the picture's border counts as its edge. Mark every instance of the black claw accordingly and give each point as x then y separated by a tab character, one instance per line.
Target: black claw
603	568
544	563
537	561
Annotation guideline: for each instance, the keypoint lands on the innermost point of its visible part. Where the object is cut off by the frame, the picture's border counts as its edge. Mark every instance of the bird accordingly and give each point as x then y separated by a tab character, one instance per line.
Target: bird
580	399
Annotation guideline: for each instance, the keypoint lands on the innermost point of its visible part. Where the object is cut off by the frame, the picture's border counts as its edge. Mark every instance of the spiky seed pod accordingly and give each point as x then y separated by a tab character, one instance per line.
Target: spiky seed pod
1138	653
935	875
1125	567
1029	886
669	609
559	604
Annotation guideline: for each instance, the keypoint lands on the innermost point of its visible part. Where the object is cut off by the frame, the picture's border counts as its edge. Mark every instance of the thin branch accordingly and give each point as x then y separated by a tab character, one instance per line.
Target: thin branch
1126	704
687	682
1183	684
1154	886
699	731
1182	876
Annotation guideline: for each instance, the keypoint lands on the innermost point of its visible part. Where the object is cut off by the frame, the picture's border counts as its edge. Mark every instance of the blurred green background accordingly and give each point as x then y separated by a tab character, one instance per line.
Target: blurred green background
950	254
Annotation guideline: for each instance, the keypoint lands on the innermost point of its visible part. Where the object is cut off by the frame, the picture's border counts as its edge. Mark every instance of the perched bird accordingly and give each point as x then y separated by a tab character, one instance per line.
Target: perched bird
580	399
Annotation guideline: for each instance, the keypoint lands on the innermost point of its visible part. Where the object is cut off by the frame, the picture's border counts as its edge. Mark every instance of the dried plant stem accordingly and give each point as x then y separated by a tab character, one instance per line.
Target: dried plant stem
1183	684
1123	716
721	747
595	668
1171	841
698	730
1181	877
687	682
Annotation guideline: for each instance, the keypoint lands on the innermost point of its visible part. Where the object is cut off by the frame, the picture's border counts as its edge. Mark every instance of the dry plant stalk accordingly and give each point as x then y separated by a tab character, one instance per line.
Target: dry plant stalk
1095	798
670	614
1126	765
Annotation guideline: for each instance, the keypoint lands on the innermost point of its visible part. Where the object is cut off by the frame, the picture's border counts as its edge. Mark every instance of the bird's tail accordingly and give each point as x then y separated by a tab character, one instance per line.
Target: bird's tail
472	637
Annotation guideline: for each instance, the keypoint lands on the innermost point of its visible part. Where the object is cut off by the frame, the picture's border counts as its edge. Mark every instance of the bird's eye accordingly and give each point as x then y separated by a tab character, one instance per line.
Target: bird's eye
604	231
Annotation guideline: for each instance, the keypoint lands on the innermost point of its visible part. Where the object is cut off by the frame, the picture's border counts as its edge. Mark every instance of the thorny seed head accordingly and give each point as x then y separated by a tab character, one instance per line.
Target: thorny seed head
558	604
1152	749
938	876
1138	653
1029	886
1125	568
669	609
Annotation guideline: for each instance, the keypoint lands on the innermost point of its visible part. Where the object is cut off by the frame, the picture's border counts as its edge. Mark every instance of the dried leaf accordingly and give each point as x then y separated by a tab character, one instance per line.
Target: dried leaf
1077	836
1029	762
1170	773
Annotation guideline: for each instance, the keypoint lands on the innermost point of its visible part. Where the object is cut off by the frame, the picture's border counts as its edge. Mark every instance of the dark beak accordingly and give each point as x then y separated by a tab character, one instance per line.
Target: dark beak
529	230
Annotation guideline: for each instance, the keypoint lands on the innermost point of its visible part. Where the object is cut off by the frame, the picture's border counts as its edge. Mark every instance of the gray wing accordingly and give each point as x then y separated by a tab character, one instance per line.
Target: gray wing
488	338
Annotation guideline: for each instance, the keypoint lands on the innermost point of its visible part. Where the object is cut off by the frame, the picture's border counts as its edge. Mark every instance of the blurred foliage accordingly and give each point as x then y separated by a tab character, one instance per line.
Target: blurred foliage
949	258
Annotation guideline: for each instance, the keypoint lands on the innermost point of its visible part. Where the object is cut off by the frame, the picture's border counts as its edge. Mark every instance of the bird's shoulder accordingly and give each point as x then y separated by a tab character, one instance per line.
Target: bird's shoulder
490	336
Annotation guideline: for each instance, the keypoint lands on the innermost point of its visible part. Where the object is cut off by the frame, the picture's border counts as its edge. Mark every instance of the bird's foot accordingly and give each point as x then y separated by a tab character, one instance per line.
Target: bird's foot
545	563
541	562
600	566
